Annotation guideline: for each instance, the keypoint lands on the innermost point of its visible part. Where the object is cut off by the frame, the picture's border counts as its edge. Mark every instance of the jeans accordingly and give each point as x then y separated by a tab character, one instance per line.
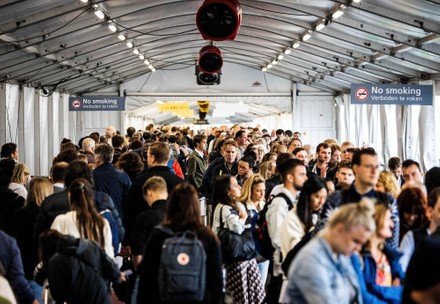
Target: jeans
263	267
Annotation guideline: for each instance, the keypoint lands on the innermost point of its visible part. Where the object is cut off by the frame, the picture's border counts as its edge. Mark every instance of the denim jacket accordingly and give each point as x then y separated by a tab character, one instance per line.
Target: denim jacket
318	276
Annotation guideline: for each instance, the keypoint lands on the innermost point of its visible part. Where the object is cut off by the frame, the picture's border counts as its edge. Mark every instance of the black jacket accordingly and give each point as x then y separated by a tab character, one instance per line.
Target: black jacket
58	203
23	229
136	204
80	272
145	222
9	202
148	282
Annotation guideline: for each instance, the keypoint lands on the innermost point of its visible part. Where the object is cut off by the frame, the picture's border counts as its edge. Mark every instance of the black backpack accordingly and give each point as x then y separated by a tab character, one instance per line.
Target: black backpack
182	270
262	238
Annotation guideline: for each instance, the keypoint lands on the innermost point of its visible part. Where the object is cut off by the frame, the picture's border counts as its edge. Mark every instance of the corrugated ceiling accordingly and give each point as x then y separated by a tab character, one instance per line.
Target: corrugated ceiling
62	44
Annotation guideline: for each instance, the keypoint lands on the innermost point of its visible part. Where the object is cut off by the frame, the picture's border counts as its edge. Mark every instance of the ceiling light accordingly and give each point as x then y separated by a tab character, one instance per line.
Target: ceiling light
136	51
357	1
287	51
269	66
112	27
84	1
296	44
280	56
141	56
274	62
121	37
150	66
129	44
100	14
146	62
307	35
153	69
320	25
338	12
264	69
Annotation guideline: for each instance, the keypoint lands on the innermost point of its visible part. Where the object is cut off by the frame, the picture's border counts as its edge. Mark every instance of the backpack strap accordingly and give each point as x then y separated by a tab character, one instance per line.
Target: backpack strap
165	229
286	198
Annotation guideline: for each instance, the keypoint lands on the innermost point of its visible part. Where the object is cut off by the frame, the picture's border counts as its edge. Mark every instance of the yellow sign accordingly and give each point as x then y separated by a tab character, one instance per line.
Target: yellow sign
173	107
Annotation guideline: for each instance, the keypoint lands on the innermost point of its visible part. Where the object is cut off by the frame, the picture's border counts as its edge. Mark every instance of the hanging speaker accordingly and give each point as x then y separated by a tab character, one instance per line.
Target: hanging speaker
219	20
210	59
207	78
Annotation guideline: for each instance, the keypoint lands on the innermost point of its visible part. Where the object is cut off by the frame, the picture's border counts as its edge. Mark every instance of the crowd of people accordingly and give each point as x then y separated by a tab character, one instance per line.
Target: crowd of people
324	225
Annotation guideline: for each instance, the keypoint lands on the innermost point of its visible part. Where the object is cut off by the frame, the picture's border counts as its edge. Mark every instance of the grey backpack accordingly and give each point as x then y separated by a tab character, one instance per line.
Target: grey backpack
182	270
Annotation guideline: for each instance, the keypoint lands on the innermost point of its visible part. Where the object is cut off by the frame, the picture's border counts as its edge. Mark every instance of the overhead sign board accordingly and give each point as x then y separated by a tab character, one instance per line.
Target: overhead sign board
173	107
97	103
399	94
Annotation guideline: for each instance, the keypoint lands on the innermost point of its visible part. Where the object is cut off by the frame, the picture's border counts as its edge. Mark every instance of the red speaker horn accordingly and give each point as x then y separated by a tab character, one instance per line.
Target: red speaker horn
219	20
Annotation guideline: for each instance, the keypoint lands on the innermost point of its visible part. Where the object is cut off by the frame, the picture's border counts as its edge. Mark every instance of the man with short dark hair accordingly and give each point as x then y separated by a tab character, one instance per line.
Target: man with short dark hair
242	141
57	176
301	154
9	150
365	166
196	166
395	166
108	179
323	156
158	156
155	194
294	175
118	145
344	176
411	171
245	169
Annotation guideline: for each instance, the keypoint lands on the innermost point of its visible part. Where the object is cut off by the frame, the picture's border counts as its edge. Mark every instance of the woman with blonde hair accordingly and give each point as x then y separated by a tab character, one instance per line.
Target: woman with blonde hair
23	228
84	221
252	197
322	271
387	183
267	169
19	179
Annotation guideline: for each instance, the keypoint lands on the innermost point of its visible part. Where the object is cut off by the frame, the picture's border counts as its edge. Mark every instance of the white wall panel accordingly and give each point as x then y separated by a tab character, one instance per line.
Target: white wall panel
29	148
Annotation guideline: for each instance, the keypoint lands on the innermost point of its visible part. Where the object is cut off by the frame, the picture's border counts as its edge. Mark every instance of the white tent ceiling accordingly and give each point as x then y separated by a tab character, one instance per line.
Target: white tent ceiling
62	45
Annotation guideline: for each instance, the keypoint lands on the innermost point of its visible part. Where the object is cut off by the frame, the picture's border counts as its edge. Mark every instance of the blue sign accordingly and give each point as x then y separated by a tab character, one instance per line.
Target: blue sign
399	94
97	103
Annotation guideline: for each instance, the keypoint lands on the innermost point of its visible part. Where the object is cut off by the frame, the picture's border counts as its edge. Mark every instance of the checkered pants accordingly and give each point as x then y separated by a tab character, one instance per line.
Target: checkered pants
243	281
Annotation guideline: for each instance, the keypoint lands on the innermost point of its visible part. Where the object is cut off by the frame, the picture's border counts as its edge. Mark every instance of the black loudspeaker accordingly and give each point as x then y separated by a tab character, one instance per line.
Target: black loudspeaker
207	78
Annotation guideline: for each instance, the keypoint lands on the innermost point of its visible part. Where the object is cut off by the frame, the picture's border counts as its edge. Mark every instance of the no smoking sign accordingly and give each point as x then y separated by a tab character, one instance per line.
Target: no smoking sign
361	94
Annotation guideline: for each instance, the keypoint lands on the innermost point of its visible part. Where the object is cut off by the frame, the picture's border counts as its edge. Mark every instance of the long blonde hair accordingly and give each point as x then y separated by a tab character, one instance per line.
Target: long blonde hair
266	167
39	189
20	170
248	186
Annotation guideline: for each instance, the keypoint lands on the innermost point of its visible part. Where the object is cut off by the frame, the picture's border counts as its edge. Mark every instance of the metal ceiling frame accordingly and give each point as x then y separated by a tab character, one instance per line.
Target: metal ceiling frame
374	41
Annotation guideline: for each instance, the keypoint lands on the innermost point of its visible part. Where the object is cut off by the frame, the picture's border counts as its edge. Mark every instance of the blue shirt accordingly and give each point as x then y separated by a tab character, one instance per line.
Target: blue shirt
113	182
11	259
317	275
